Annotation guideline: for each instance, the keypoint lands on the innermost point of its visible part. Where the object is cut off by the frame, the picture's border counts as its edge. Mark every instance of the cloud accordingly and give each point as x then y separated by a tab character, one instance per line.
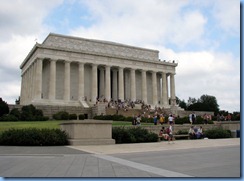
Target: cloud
21	23
212	73
136	23
24	17
227	14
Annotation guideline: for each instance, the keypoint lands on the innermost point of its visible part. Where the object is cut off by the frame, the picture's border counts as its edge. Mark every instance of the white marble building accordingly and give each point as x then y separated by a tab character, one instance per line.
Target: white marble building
64	70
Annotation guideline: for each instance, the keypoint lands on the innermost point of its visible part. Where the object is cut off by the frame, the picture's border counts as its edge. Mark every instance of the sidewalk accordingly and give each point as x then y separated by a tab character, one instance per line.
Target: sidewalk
157	146
158	159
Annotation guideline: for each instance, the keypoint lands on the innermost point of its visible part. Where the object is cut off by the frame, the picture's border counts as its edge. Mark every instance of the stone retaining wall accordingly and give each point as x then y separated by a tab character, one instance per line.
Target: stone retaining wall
51	110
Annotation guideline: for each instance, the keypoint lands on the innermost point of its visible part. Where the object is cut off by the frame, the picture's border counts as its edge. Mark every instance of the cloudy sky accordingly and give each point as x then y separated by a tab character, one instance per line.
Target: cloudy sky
203	36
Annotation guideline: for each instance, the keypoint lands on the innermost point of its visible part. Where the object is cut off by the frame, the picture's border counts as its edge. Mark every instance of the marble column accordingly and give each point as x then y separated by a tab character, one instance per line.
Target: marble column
102	83
165	101
94	84
132	85
167	87
121	83
34	81
67	81
144	86
39	68
52	80
108	84
28	85
154	88
81	86
115	84
172	90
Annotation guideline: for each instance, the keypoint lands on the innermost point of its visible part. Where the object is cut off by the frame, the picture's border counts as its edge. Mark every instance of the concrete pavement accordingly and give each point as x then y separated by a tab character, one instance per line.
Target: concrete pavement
184	158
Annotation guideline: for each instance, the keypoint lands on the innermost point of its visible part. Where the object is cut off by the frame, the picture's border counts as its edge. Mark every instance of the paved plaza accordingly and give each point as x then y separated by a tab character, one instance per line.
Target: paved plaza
185	158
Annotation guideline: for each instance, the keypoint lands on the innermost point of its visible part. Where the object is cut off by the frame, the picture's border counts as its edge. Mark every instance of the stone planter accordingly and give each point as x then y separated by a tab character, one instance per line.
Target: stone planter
88	132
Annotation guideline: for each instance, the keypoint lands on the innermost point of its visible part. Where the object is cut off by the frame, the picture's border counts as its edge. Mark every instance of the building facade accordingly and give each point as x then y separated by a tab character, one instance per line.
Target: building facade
73	71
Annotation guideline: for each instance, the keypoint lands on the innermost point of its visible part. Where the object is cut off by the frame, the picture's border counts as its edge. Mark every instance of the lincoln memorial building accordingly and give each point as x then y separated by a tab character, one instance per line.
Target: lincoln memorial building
74	71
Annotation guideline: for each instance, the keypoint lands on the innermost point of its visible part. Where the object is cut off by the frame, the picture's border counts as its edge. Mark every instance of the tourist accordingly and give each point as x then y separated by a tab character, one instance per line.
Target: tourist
191	133
170	133
193	117
138	120
161	119
171	119
200	132
190	118
163	134
155	120
205	119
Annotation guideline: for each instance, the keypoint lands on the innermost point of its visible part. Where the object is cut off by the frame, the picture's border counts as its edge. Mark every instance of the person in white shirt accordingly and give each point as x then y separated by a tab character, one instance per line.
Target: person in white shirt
170	119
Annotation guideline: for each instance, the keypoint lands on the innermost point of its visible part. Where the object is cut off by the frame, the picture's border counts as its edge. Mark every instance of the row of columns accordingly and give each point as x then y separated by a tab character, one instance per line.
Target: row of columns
36	75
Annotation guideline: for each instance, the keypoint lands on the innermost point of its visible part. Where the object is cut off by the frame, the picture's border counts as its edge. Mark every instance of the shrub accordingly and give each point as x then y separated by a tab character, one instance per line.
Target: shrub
147	120
15	112
72	117
133	135
8	117
33	137
216	133
182	132
62	115
30	113
81	117
4	109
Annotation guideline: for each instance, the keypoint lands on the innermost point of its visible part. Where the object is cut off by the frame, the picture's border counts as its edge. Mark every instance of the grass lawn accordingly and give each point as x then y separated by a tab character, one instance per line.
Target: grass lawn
29	124
49	124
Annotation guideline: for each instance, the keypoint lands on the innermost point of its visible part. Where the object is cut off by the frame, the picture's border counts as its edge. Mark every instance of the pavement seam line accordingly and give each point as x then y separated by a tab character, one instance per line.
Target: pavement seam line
143	167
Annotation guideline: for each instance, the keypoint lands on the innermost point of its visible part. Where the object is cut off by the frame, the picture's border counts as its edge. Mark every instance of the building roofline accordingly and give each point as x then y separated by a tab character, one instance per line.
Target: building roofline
98	41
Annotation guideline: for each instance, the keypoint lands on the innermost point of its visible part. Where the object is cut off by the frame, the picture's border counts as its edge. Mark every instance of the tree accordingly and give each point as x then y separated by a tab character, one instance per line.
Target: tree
191	101
210	103
204	103
4	109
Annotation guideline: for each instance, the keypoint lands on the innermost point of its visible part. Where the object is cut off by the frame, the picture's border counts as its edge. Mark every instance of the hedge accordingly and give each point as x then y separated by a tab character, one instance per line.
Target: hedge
216	133
133	135
33	137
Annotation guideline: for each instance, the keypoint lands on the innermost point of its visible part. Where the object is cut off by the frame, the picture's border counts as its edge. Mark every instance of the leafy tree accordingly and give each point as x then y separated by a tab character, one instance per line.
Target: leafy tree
209	103
4	109
183	104
204	103
191	100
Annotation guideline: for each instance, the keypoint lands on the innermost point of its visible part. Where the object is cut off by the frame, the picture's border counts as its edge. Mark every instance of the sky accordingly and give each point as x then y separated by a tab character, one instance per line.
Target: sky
202	36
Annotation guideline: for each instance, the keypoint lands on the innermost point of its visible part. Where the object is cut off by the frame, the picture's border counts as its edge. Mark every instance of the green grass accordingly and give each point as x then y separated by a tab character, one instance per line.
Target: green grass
49	124
29	124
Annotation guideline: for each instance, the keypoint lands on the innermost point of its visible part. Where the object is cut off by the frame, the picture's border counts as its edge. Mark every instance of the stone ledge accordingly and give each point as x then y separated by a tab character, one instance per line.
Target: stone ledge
91	141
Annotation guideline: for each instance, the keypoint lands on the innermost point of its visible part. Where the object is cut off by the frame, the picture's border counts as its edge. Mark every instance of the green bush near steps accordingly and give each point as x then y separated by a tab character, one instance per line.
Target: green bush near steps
133	135
217	133
34	137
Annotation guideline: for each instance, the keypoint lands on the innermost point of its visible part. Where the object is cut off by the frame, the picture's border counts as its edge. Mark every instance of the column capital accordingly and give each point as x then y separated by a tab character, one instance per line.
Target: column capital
39	58
67	61
53	59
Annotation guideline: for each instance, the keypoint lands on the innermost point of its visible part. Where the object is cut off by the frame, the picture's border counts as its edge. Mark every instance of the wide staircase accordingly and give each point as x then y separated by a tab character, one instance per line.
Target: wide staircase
129	113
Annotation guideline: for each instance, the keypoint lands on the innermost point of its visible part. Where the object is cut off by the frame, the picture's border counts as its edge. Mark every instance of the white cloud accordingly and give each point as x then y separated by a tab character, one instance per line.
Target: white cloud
21	23
212	73
136	23
227	14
